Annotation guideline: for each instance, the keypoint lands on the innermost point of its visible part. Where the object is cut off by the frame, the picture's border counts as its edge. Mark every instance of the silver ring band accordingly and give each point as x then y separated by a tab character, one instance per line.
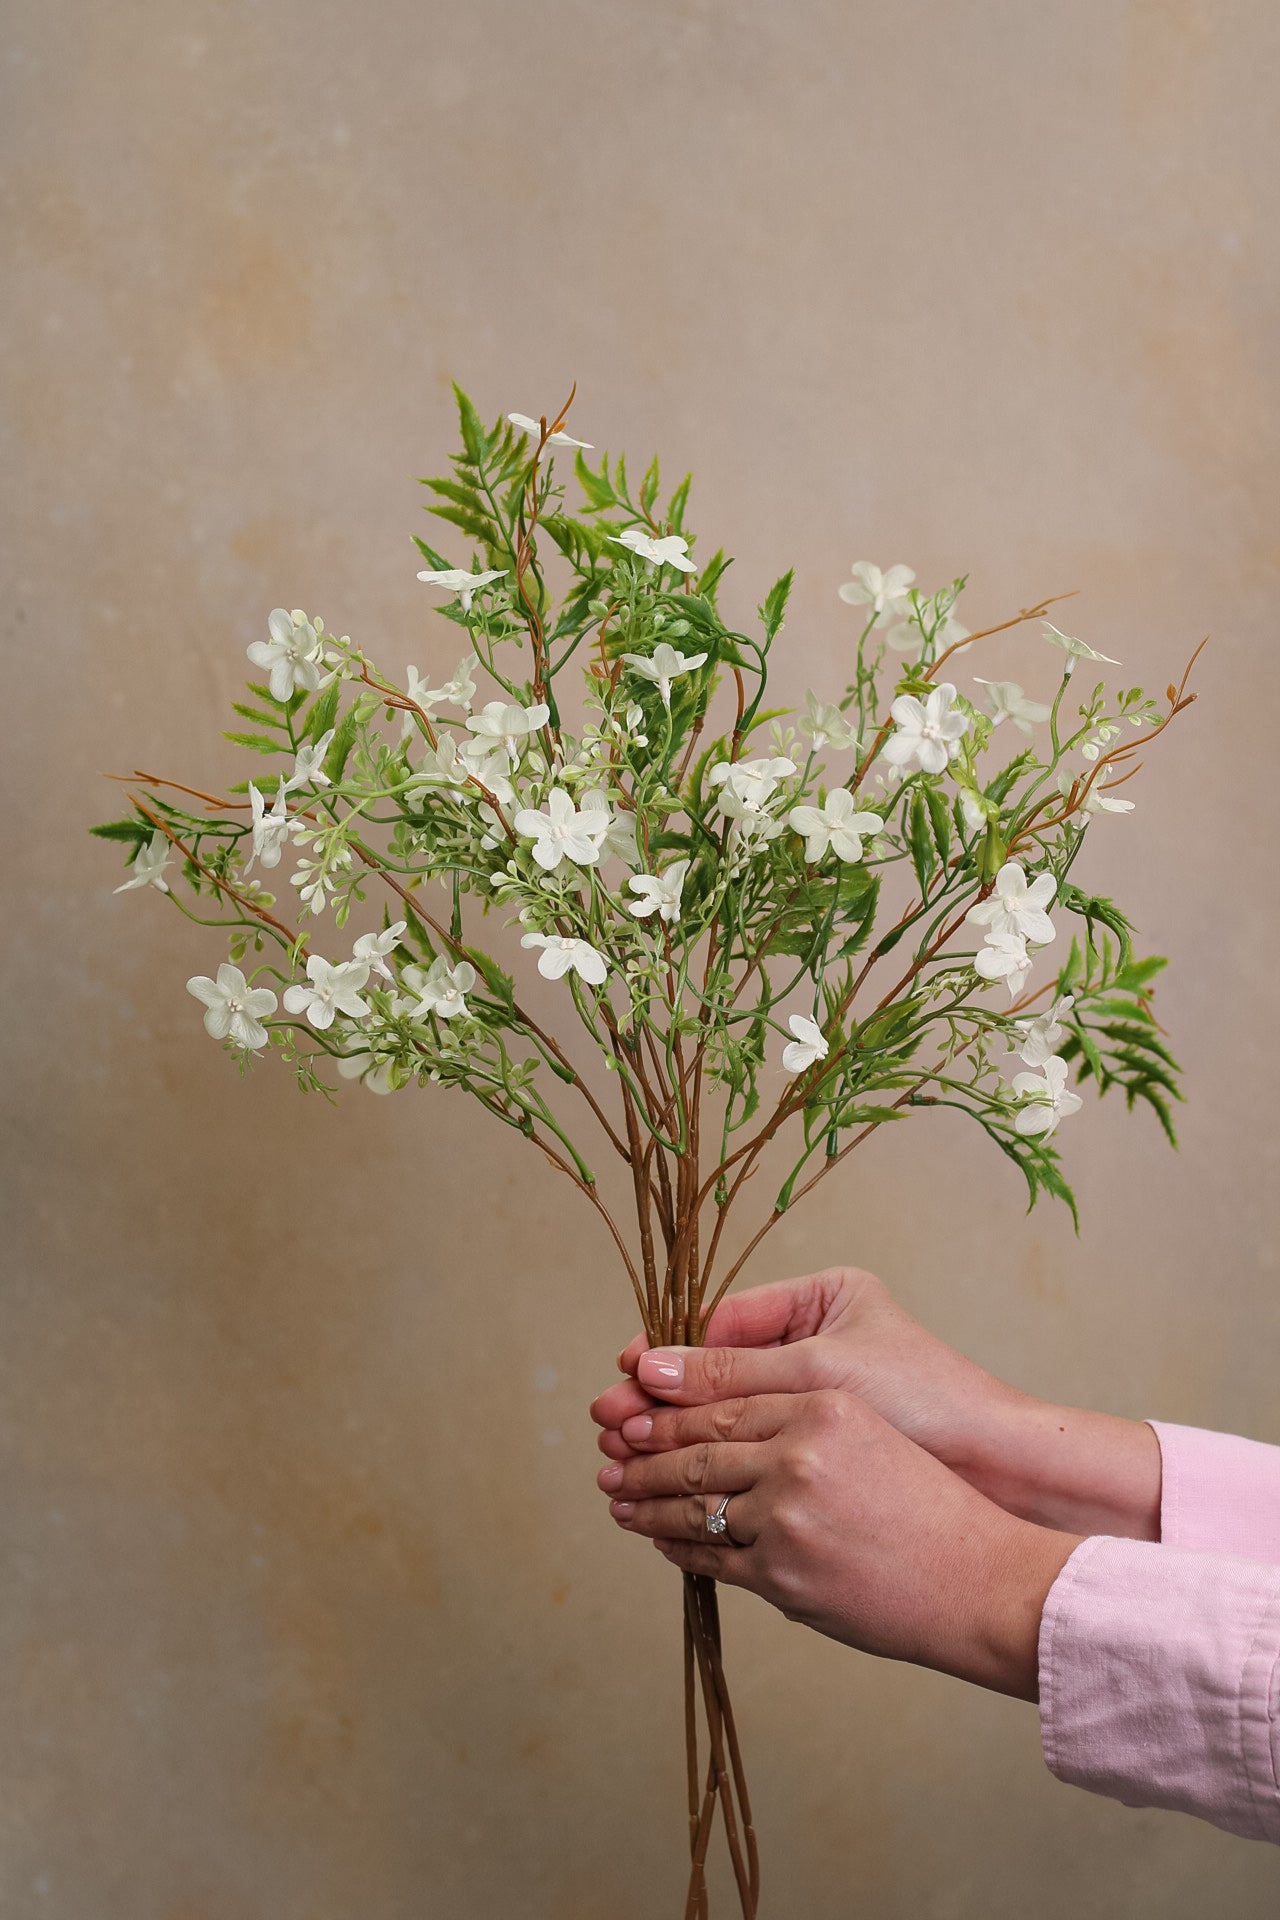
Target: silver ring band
716	1522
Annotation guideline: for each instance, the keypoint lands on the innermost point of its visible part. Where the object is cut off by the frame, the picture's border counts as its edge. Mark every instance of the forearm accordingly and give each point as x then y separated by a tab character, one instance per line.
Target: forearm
1067	1468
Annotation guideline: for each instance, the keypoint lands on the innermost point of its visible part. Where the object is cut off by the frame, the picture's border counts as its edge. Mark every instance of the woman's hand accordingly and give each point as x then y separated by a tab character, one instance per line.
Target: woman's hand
841	1329
848	1527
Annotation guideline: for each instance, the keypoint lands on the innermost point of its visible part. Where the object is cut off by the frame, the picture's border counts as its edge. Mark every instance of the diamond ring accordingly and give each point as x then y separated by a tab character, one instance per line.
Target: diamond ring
716	1522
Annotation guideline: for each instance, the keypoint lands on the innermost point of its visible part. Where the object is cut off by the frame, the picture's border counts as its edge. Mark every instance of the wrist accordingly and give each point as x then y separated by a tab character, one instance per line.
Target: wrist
1010	1591
1068	1469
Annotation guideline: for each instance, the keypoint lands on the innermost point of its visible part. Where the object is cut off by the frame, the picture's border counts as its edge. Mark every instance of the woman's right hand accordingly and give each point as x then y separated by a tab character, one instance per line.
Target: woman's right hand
1061	1467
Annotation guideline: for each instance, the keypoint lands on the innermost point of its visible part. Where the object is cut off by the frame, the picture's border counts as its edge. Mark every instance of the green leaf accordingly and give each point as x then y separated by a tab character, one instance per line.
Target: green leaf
649	486
596	486
343	741
500	984
473	434
433	559
712	574
136	831
323	714
775	604
263	719
256	742
475	525
679	501
921	841
940	820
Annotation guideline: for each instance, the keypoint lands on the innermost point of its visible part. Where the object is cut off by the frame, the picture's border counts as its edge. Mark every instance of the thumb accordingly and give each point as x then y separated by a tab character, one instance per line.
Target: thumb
688	1376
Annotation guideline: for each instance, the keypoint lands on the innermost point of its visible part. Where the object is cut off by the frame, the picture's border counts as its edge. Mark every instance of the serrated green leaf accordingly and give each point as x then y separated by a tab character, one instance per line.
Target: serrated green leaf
773	612
920	840
649	486
940	820
137	831
263	719
474	438
256	742
340	748
323	713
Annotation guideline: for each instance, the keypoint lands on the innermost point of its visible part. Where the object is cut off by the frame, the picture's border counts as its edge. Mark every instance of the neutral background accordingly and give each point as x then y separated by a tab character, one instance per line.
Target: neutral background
309	1607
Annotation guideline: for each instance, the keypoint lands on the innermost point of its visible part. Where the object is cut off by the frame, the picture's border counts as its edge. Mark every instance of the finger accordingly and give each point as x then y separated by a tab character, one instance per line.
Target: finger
692	1375
759	1418
613	1446
730	1569
617	1403
631	1353
775	1315
687	1519
699	1469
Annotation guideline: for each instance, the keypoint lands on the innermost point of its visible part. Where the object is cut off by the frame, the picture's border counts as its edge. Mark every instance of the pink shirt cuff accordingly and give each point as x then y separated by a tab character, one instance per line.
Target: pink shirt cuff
1160	1681
1220	1494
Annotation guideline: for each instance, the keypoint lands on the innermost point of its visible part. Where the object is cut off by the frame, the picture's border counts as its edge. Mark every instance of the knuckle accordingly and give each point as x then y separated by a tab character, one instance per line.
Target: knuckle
830	1412
727	1416
802	1464
717	1369
694	1466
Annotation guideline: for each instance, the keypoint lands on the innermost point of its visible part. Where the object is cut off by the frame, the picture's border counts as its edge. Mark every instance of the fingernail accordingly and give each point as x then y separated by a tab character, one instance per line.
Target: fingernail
609	1477
622	1509
638	1427
662	1367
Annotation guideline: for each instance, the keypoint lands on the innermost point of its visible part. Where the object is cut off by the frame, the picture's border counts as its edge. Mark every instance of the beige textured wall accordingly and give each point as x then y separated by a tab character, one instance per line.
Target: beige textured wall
309	1608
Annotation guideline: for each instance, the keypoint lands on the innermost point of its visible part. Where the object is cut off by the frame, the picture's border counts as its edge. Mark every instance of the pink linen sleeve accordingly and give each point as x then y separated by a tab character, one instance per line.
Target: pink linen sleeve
1219	1493
1160	1681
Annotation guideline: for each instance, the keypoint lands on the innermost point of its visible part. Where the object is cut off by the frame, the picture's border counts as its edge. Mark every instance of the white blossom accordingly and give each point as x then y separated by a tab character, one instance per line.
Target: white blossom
526	425
442	989
1017	908
487	768
334	989
824	725
1048	1096
440	765
837	823
233	1009
1042	1036
372	1073
1074	649
746	788
293	656
659	892
808	1046
146	869
925	736
563	955
374	948
502	725
614	833
882	592
459	690
1008	702
308	769
972	812
671	550
665	664
1004	957
465	585
908	637
561	833
270	830
1095	800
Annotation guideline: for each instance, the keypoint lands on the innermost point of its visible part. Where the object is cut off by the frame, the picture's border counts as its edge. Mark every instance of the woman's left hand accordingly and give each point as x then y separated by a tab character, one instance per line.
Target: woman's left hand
848	1527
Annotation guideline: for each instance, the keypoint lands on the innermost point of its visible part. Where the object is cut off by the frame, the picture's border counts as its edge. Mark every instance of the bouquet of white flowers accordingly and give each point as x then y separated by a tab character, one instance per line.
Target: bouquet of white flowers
767	928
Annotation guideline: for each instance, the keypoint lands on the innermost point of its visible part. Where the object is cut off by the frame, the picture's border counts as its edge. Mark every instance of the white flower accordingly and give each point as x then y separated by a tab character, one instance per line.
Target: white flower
808	1046
458	691
459	581
270	830
374	948
908	637
503	726
561	833
561	955
487	769
234	1009
362	1066
837	824
824	724
665	664
148	864
1009	702
526	425
1095	800
614	833
659	892
925	736
308	769
1050	1098
1017	908
671	550
882	592
1004	957
440	765
1043	1034
333	990
972	812
747	786
294	655
442	989
1074	649
633	721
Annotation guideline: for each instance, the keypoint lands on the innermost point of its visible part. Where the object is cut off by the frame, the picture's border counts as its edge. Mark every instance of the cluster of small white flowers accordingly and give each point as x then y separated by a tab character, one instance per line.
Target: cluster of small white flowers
1045	1090
1015	917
